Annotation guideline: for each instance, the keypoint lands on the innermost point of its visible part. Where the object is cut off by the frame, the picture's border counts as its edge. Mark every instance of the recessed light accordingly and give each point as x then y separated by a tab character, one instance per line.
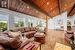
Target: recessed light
27	6
51	8
65	4
53	11
47	3
36	11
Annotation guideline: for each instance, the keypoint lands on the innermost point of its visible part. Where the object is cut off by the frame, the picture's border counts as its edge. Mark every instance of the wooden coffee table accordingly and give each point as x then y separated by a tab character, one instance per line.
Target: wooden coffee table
40	37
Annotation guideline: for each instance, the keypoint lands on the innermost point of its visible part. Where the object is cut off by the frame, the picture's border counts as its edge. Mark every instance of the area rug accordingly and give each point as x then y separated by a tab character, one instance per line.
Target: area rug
59	46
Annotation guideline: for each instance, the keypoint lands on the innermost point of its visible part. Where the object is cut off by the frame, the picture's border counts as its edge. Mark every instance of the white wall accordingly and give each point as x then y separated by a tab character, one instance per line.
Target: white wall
52	23
72	19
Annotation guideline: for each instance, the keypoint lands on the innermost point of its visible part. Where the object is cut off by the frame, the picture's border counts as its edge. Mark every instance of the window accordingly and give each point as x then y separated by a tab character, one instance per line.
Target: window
3	22
18	22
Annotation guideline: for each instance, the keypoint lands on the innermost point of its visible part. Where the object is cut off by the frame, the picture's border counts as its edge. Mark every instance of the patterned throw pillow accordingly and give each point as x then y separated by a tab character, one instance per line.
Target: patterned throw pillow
14	34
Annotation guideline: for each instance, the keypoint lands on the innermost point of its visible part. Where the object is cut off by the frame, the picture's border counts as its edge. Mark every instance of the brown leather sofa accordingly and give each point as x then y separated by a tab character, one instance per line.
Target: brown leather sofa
26	31
9	42
15	43
12	43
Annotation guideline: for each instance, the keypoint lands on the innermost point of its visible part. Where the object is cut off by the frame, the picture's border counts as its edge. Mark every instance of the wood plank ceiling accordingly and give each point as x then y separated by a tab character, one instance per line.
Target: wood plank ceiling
53	7
50	8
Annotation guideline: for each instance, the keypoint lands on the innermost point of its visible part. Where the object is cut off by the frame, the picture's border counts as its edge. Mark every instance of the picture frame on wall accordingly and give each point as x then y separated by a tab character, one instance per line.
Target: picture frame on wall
68	23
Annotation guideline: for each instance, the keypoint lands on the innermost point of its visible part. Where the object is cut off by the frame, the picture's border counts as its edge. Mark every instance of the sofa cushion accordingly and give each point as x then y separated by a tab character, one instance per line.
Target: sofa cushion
3	33
15	43
14	34
27	29
25	42
4	39
22	30
7	41
14	30
33	28
30	32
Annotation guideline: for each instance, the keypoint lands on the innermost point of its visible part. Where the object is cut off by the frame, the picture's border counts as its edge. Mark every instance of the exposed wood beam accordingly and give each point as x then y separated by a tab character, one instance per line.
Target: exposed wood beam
59	6
71	10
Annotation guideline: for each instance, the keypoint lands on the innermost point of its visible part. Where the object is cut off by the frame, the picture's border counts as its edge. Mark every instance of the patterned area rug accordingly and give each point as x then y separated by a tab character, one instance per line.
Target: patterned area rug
60	46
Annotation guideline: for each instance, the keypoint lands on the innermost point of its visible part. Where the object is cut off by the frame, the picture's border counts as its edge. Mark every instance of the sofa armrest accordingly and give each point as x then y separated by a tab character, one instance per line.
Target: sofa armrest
1	47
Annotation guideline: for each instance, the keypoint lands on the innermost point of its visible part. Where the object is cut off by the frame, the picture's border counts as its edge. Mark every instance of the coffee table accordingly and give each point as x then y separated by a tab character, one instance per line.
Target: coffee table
40	37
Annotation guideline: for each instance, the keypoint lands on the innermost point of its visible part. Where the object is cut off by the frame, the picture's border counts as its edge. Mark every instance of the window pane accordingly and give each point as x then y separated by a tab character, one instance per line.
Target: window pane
3	22
18	22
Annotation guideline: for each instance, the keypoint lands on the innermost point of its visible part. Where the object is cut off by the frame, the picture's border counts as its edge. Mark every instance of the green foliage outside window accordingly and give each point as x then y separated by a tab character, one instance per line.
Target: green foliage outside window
16	24
3	26
19	24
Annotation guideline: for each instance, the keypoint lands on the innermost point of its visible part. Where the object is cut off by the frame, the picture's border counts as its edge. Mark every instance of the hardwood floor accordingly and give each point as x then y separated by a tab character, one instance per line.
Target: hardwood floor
52	37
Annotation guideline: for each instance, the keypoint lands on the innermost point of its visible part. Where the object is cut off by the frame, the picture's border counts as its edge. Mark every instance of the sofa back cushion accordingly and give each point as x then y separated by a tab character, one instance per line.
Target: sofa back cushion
27	29
33	29
14	30
21	30
24	29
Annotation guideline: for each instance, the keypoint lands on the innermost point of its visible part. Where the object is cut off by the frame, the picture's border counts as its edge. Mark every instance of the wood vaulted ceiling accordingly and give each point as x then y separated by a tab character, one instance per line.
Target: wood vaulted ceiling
50	8
54	7
22	7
